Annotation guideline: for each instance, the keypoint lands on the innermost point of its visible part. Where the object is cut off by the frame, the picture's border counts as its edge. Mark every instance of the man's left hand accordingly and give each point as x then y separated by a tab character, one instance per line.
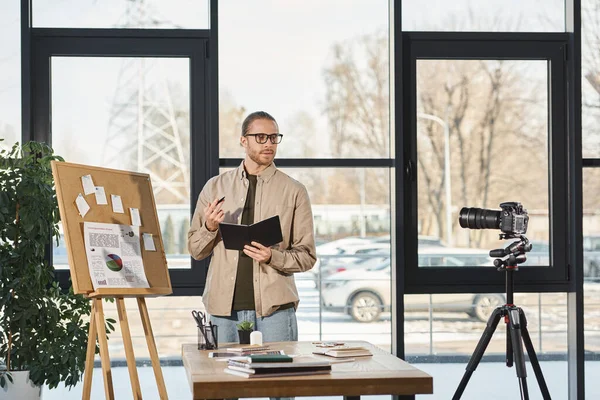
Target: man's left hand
258	252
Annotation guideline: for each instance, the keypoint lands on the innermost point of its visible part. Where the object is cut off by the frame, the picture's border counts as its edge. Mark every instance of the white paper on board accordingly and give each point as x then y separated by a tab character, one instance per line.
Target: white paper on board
148	242
88	184
135	217
82	205
100	196
114	255
117	204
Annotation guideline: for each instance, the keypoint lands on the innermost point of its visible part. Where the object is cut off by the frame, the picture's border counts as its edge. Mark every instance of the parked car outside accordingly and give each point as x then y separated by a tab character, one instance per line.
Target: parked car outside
372	262
591	256
345	254
365	294
357	252
540	255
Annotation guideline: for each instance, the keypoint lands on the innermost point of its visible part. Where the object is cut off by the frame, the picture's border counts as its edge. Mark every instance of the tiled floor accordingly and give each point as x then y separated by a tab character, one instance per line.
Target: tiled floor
491	381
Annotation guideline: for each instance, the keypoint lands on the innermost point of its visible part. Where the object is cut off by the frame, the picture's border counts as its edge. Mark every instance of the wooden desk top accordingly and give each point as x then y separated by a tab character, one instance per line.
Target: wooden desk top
381	374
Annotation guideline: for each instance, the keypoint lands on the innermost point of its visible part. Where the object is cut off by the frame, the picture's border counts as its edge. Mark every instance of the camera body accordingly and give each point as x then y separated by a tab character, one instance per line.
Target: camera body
512	219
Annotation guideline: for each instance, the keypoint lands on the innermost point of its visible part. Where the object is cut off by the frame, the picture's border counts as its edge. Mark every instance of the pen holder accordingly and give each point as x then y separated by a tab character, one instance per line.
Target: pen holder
208	337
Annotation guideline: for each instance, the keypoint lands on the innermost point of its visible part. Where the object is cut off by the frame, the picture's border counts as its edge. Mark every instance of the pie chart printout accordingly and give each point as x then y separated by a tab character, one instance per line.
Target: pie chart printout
114	262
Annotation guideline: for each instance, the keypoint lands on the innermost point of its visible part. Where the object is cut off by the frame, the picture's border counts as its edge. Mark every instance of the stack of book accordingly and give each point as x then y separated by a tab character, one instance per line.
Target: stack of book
249	349
265	365
344	351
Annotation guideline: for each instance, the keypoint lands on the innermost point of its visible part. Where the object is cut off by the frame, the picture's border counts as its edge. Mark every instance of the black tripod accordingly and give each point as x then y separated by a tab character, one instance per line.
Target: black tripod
516	325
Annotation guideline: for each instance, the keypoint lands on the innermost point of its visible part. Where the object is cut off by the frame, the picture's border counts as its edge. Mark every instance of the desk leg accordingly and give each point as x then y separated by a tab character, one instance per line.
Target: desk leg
88	372
351	397
160	382
104	357
133	375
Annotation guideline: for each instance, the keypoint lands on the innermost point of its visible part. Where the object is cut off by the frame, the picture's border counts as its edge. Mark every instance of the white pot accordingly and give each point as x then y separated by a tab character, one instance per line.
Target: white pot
21	388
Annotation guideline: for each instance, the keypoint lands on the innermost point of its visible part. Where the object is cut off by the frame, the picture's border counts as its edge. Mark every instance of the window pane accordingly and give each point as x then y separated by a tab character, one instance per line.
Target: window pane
590	77
347	295
487	116
487	16
130	114
326	82
150	14
10	74
591	286
442	331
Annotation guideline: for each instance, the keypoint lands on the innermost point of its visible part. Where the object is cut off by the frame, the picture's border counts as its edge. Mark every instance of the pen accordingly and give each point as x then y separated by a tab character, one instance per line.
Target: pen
221	199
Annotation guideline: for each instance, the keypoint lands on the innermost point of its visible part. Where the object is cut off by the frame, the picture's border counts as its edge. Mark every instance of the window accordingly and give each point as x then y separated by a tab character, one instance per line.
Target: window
590	78
475	117
326	82
148	14
96	121
484	16
486	131
10	70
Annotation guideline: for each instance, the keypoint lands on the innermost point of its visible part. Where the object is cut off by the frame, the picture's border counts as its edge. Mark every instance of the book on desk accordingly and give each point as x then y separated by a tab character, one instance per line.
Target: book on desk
344	351
272	369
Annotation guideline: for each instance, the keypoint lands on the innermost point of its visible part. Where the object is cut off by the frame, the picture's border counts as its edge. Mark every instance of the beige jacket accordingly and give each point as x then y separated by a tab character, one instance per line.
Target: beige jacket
274	284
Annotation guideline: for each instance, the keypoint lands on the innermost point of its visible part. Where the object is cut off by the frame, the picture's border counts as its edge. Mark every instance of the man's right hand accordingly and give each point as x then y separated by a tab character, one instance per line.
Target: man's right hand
213	215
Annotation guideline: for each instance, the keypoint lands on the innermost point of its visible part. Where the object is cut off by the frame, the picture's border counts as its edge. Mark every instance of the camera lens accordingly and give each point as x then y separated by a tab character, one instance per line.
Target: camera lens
479	218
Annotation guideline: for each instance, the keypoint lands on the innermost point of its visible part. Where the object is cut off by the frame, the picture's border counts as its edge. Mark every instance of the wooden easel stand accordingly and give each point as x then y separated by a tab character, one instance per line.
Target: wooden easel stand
97	320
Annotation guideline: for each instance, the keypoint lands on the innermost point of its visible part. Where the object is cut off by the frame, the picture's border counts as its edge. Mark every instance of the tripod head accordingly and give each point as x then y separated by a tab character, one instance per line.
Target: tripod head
512	255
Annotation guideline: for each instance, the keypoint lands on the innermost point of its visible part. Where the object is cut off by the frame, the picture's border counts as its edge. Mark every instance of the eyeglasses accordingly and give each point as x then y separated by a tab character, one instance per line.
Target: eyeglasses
262	138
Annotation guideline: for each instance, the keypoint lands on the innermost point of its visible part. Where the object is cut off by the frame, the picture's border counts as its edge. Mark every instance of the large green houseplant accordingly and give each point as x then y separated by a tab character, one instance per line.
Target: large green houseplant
43	329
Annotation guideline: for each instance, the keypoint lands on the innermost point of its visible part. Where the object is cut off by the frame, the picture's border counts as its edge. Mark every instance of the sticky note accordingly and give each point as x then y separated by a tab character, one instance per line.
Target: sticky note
82	205
88	184
148	242
117	204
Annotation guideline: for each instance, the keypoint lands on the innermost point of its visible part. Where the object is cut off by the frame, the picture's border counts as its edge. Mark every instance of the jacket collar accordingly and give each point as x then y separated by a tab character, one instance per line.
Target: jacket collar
265	175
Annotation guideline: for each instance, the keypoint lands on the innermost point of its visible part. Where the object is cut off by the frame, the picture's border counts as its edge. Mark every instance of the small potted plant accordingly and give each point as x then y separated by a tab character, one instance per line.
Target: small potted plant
244	331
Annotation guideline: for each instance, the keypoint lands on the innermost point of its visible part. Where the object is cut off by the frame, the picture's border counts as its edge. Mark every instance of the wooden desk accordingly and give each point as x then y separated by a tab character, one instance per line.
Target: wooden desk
381	374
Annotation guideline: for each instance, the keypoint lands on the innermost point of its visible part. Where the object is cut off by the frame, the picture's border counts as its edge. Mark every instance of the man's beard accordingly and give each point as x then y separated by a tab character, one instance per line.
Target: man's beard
255	156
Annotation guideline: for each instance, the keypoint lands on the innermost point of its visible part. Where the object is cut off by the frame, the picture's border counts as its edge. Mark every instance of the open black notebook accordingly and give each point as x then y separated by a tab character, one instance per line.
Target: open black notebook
266	232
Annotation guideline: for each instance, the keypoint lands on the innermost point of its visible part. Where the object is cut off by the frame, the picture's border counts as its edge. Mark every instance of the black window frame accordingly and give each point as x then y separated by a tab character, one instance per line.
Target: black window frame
164	43
511	46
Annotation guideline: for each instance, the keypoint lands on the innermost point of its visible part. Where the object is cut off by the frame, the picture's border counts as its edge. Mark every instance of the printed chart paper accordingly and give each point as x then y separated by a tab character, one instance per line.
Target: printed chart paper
114	255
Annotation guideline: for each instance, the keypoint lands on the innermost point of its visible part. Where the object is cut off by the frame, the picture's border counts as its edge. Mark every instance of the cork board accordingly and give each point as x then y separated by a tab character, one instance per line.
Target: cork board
135	190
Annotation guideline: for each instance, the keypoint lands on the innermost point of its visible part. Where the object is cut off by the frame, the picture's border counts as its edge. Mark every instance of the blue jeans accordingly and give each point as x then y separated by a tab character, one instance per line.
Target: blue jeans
281	326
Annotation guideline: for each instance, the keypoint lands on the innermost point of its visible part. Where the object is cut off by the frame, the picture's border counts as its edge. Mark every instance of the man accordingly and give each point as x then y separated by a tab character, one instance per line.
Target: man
256	284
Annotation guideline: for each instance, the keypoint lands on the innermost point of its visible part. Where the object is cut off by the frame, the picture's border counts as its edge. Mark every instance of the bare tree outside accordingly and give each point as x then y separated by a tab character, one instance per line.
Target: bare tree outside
357	98
590	15
357	109
231	116
590	91
497	130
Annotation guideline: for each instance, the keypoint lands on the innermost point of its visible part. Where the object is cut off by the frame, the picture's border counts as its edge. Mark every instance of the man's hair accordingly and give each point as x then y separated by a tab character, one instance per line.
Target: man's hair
253	117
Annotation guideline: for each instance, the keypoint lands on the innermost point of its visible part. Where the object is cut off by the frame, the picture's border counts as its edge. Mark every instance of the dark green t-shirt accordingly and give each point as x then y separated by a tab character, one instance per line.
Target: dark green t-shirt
243	295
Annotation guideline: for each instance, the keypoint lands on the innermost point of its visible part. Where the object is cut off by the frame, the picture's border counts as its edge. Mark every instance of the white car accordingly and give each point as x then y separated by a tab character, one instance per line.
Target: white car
347	254
365	294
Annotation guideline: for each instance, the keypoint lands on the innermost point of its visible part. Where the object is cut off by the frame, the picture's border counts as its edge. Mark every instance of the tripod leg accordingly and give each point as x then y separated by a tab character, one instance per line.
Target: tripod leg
514	325
509	348
535	364
479	350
